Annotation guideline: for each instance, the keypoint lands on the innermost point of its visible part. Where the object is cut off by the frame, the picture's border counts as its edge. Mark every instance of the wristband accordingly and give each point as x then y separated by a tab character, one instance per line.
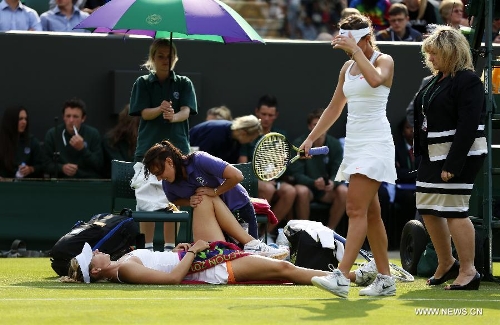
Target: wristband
191	252
352	55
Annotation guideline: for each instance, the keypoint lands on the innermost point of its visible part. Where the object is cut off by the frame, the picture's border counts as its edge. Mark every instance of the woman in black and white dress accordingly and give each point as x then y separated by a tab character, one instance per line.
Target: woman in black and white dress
449	137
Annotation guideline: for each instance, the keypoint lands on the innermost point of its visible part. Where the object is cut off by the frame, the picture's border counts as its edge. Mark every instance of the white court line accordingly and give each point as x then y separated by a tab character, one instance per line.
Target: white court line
245	298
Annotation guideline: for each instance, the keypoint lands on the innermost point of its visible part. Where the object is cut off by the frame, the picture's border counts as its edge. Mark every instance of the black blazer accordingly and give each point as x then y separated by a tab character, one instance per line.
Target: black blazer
455	120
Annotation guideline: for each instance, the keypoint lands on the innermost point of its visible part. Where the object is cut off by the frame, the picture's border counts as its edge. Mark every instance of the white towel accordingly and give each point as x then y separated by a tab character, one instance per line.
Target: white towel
316	230
320	233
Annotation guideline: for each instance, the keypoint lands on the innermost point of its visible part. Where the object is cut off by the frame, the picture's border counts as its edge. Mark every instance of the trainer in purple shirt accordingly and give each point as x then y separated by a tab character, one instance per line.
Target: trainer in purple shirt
16	16
186	178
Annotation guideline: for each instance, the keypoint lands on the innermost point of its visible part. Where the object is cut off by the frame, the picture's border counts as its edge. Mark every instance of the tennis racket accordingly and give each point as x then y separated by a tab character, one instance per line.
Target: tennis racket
397	272
274	153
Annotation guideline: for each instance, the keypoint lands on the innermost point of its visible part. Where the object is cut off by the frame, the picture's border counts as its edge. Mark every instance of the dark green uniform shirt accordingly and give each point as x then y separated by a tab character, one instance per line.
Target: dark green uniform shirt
29	153
89	159
148	92
306	171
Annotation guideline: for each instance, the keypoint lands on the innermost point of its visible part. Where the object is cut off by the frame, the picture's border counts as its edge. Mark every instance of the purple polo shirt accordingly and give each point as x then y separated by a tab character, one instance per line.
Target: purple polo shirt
204	169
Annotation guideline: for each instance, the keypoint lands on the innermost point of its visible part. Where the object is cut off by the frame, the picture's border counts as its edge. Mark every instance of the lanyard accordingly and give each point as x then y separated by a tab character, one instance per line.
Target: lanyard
431	96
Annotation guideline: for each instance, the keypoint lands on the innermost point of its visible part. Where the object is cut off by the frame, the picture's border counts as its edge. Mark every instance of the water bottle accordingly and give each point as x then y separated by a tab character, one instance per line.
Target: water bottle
282	241
18	173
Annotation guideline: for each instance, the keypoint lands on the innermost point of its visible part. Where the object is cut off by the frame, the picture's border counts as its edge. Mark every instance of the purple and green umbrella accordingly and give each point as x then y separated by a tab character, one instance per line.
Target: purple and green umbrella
207	20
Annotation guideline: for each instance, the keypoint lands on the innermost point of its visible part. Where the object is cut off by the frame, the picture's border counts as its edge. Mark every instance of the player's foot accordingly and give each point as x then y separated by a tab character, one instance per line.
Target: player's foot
383	285
335	283
366	273
257	247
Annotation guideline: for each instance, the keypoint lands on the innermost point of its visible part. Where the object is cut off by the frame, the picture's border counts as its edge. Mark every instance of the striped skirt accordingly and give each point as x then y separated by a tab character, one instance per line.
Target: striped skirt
445	199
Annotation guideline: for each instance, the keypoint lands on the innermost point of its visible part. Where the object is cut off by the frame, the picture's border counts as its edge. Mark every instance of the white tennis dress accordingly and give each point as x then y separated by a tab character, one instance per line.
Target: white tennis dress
369	147
166	261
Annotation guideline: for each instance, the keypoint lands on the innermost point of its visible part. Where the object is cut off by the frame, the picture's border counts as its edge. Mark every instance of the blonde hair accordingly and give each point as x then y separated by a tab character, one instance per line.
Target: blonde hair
248	123
453	48
220	113
160	42
74	273
446	7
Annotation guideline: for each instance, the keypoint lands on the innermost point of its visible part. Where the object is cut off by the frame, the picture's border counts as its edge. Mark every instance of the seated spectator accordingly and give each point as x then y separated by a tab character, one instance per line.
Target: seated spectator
376	10
406	166
400	29
495	30
410	109
452	13
20	152
63	17
315	177
219	113
279	193
307	29
422	13
16	16
79	145
79	3
120	142
223	138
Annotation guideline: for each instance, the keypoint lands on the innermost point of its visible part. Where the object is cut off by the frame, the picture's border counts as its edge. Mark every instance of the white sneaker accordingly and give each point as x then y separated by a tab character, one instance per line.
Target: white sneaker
335	283
257	247
383	285
366	273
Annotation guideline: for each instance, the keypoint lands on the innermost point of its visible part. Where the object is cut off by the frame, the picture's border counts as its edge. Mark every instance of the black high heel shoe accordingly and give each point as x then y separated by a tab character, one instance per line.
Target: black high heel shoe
451	274
472	285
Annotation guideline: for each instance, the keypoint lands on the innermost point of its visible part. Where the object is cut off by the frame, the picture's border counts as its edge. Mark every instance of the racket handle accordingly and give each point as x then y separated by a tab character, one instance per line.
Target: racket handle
319	151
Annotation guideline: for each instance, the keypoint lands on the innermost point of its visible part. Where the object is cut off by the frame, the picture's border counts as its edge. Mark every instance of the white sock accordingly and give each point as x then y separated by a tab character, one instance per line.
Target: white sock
253	242
149	246
168	246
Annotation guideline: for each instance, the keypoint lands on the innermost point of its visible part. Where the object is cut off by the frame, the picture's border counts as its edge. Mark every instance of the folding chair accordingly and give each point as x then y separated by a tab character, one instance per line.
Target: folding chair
121	174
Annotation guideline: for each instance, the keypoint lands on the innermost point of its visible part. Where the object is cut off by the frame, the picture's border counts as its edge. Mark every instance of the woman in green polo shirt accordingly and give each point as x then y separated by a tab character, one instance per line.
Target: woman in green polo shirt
164	101
20	152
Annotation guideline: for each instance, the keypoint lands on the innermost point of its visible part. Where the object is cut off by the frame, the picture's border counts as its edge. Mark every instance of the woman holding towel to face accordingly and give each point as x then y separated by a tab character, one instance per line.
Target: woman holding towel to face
364	84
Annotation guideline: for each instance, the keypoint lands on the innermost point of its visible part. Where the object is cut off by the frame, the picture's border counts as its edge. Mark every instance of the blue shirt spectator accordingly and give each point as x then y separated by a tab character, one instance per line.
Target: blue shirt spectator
216	138
20	18
55	20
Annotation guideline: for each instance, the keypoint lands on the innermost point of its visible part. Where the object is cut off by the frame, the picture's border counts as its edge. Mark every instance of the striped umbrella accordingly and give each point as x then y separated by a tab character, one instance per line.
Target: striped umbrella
208	20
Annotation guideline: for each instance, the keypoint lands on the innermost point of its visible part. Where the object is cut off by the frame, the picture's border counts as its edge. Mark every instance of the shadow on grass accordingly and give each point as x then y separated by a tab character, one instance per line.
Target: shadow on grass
334	308
488	296
51	282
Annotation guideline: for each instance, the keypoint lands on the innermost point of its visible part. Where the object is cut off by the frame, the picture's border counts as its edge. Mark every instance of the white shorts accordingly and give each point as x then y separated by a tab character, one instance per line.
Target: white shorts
214	275
149	193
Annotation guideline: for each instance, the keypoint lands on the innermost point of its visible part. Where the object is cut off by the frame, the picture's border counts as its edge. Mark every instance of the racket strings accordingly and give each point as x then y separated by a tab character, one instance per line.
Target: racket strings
271	158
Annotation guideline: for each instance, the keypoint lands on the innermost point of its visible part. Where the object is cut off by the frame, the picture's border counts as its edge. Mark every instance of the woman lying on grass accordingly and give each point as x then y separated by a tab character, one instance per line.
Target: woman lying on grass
217	262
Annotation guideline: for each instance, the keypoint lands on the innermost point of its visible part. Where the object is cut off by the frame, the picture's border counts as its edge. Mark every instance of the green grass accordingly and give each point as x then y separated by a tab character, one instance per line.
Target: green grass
31	294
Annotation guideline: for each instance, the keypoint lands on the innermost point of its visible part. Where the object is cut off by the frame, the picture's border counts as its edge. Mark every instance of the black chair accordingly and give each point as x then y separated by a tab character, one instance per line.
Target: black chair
251	184
124	196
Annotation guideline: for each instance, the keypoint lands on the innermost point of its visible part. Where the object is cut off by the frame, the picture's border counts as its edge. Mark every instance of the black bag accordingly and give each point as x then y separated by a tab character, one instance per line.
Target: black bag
115	235
18	249
307	252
